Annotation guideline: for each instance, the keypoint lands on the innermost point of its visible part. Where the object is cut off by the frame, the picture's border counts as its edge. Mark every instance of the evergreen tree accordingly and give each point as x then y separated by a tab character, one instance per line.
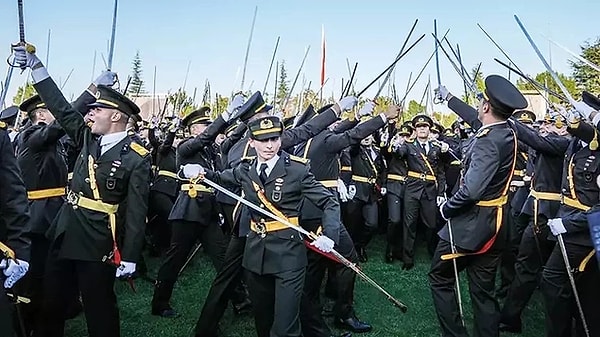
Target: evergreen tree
585	76
136	86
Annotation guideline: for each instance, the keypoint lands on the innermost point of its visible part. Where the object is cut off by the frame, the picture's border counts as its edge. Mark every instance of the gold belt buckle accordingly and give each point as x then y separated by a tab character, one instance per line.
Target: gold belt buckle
73	199
261	229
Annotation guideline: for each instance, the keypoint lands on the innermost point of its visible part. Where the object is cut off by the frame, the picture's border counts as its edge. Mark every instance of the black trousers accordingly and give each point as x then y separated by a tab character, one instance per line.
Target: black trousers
313	324
362	221
159	227
534	250
415	209
515	225
222	288
6	312
276	299
558	294
185	234
481	273
95	280
394	228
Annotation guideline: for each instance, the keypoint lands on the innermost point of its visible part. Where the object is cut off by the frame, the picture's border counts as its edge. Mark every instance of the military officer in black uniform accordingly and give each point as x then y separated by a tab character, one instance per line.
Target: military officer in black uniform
363	208
164	189
425	186
108	199
229	276
15	232
542	204
275	255
194	215
44	171
475	214
580	197
395	186
323	151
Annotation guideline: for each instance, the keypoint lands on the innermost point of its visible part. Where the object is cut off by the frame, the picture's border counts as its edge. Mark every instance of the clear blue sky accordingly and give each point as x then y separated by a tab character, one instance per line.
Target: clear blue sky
213	36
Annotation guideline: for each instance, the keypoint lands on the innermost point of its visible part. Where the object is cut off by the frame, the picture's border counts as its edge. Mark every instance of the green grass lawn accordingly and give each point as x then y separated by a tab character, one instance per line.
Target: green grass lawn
410	287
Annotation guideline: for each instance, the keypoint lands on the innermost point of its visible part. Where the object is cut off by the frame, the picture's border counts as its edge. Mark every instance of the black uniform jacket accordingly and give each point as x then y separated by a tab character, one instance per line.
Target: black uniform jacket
14	210
550	152
488	168
580	173
430	164
198	150
122	176
367	163
323	151
42	161
165	162
288	183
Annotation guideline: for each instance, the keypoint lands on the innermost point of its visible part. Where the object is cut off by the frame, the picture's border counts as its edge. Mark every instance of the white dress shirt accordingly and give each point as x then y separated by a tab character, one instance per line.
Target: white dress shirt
270	164
107	142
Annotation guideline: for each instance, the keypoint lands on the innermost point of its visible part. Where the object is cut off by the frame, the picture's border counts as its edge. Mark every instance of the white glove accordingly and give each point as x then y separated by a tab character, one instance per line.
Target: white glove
366	110
556	226
347	103
442	93
351	192
236	102
126	269
440	200
107	78
25	59
342	190
323	244
192	170
444	146
383	191
13	271
584	109
384	137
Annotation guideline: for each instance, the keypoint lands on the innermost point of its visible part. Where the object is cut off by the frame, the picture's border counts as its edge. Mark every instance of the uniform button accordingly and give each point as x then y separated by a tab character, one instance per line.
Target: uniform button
87	180
95	166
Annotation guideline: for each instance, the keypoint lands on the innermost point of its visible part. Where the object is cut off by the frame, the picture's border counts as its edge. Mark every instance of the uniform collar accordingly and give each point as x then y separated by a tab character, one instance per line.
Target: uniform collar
270	164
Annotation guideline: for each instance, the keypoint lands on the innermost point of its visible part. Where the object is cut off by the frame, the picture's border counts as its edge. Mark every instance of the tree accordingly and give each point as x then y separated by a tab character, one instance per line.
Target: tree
24	93
220	104
136	86
546	80
282	84
586	78
414	109
181	103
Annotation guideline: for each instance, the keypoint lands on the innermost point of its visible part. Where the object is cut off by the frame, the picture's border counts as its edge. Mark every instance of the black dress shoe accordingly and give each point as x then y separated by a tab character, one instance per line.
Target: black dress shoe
408	266
353	324
242	308
165	313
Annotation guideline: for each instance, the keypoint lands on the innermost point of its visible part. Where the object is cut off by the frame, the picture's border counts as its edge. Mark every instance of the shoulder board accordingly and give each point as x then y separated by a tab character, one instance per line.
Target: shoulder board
2	125
482	133
137	148
248	158
298	159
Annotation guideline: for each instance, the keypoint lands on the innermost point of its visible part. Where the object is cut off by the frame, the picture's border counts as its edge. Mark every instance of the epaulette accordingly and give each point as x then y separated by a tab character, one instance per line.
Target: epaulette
248	158
298	159
2	125
482	133
137	148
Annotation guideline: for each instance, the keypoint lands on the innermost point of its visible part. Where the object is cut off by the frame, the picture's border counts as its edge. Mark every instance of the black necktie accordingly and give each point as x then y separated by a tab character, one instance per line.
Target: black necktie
424	146
263	172
99	150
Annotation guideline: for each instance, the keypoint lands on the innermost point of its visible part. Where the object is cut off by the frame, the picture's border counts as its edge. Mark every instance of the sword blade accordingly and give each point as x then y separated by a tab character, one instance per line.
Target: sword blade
437	58
248	48
541	57
21	22
6	84
111	49
592	65
563	250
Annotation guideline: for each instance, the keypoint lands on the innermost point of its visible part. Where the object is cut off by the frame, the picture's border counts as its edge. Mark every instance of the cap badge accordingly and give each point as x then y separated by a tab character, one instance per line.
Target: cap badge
266	124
